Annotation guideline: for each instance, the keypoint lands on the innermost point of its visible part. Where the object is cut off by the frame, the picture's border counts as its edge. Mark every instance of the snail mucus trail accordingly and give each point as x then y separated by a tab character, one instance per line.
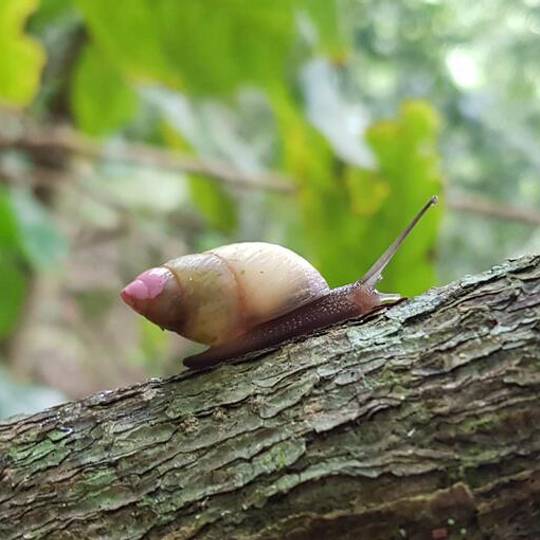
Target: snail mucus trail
250	296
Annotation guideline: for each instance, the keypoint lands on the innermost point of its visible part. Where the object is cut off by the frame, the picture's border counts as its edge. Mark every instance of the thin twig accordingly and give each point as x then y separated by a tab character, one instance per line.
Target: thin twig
480	205
54	141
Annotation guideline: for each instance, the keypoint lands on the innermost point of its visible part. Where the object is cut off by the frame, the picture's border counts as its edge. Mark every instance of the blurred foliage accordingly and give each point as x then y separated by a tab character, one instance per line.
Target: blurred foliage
40	241
22	57
28	239
176	44
101	99
360	106
205	48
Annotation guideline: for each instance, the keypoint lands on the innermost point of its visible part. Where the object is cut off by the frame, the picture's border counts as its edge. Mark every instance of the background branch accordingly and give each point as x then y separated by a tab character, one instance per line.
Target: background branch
55	142
476	204
61	141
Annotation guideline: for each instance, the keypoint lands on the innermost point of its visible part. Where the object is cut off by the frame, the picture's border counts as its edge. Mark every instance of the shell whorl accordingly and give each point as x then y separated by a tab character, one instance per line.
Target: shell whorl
228	290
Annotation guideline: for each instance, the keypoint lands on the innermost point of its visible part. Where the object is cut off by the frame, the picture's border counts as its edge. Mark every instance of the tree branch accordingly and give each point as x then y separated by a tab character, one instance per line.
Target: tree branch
56	142
421	422
476	204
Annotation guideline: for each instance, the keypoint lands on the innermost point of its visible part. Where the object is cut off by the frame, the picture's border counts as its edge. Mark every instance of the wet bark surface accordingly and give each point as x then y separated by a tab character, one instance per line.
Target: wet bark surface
421	422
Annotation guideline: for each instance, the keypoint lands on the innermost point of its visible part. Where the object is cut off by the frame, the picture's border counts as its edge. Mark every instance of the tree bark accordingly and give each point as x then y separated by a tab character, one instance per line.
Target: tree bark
421	422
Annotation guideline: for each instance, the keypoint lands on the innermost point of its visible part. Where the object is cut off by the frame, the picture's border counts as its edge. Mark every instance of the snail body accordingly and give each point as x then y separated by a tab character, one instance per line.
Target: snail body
248	296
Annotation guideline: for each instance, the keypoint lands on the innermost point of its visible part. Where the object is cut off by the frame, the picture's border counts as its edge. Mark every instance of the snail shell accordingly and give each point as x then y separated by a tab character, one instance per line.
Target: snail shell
222	293
228	290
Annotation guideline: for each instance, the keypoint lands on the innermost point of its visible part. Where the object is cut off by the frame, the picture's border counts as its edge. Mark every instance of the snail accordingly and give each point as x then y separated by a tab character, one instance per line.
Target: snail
249	296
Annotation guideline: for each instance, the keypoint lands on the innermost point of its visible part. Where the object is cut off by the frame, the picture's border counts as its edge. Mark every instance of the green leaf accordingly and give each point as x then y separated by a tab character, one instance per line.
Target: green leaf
22	58
215	203
102	101
9	232
368	191
178	42
49	13
25	231
40	240
153	347
324	14
154	342
13	291
323	204
352	214
12	276
408	158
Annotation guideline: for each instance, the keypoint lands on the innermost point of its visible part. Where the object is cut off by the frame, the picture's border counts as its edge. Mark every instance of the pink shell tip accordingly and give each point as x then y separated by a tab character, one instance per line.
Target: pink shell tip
146	286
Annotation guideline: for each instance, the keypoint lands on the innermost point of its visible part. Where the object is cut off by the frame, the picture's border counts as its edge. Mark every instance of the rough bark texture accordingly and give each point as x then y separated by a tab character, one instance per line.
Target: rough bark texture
421	422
